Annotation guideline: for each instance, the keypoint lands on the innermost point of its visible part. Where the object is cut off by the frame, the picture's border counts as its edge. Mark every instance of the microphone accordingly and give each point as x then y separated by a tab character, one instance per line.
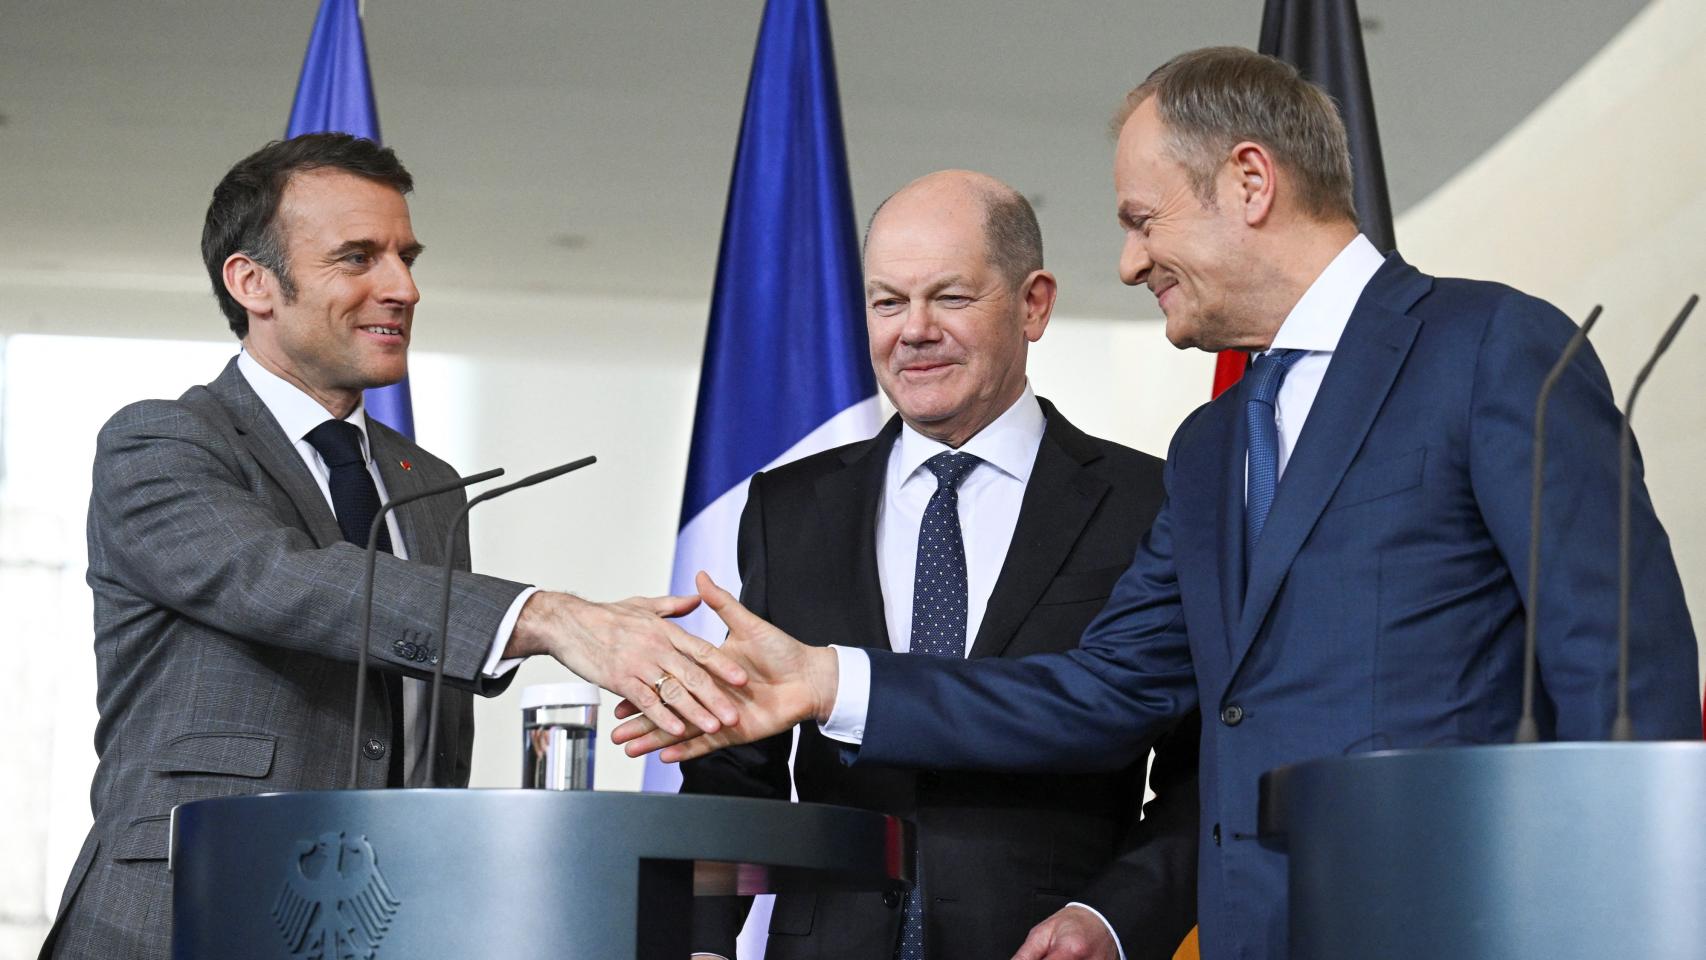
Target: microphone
1622	728
444	602
1527	731
367	602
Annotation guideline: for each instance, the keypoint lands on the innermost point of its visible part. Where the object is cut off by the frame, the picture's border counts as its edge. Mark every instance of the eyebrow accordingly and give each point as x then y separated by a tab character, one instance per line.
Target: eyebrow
370	246
873	286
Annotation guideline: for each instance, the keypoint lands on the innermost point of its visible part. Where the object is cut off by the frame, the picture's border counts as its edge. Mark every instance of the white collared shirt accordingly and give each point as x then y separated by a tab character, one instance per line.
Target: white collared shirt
297	414
1315	324
989	498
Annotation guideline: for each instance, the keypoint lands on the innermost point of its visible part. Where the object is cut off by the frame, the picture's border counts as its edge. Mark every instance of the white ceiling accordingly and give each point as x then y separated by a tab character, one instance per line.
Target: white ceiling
584	147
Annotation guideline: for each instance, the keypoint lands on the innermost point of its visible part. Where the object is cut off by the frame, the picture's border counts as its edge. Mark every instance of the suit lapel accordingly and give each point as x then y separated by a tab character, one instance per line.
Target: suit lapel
266	442
853	531
1059	500
1376	340
422	522
1229	469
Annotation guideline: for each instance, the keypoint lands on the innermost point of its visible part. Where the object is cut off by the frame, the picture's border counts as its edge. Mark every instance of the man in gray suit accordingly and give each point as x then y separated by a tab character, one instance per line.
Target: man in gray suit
227	586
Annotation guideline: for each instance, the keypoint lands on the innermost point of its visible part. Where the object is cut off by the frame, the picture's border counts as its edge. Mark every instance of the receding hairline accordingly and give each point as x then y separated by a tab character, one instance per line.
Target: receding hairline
1004	209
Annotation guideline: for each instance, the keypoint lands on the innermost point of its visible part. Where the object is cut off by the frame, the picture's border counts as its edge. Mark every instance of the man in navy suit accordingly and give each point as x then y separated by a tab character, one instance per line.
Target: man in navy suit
1341	562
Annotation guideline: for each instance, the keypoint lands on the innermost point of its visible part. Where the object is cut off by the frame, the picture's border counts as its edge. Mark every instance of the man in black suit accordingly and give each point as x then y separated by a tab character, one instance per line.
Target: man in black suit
977	523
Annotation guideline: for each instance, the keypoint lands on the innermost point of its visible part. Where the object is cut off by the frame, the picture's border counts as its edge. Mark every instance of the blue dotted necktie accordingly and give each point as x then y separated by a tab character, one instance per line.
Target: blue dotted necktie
1259	416
938	626
355	501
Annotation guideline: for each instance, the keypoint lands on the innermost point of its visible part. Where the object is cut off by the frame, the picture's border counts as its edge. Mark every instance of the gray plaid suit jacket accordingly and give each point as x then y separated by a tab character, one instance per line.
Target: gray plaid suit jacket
227	622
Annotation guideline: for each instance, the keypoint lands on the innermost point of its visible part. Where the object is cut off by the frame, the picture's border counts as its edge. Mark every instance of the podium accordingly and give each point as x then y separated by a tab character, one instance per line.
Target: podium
1561	851
498	873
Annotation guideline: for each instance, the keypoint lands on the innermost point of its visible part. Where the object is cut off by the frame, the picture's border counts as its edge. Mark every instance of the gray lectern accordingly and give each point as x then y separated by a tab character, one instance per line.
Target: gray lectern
1557	851
497	873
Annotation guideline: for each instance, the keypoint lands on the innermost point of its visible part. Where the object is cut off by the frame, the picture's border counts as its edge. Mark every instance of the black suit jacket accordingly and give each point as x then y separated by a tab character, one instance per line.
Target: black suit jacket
999	852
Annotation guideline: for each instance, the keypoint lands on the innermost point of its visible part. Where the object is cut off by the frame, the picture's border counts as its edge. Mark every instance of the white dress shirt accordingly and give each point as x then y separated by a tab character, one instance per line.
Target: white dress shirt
989	498
297	414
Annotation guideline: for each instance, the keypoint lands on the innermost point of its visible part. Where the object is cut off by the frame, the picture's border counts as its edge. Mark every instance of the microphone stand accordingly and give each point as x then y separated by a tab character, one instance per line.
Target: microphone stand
1622	728
367	602
1527	731
444	603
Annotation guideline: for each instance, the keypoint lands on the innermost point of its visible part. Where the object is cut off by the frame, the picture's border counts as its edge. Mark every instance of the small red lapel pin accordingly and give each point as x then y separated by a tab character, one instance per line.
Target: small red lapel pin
406	465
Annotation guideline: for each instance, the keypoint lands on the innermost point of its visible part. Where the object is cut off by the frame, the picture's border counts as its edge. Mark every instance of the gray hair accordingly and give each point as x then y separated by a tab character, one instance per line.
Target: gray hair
1013	240
1214	98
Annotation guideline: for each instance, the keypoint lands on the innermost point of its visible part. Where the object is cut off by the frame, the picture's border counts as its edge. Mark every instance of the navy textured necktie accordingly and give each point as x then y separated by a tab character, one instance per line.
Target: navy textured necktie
938	625
355	501
1259	416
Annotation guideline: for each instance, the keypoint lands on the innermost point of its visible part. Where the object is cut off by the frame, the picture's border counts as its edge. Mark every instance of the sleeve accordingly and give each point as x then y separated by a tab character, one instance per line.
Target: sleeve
1094	708
752	770
173	520
1577	605
1148	895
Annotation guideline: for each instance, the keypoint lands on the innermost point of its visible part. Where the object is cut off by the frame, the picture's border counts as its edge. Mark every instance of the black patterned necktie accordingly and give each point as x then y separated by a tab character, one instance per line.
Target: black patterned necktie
355	501
938	626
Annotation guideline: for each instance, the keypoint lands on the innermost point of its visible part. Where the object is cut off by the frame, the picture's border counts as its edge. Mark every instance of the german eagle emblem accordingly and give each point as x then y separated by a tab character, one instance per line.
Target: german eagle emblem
334	904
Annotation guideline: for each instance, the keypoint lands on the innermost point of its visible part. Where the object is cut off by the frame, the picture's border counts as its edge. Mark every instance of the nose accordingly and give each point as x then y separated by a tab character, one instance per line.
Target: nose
920	325
1134	260
397	284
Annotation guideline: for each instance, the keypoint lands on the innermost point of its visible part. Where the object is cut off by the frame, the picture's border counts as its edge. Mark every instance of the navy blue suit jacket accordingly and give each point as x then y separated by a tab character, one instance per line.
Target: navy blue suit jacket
1383	607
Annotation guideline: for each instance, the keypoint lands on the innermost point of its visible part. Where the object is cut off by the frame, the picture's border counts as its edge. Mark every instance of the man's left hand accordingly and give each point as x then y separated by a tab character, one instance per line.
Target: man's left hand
1073	933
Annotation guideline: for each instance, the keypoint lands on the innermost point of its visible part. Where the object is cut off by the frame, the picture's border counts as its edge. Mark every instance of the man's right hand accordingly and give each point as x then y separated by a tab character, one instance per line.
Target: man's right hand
627	648
788	684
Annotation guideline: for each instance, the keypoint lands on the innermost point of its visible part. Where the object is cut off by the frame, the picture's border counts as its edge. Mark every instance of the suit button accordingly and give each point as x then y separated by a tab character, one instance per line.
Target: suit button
1232	716
1217	834
374	749
891	898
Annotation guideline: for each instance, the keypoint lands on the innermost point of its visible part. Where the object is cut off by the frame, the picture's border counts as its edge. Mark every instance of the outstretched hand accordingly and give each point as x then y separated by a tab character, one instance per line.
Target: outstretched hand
787	683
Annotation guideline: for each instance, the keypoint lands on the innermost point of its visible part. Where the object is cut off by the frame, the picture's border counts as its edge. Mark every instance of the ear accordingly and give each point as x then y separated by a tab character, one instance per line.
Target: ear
1254	177
1038	293
250	284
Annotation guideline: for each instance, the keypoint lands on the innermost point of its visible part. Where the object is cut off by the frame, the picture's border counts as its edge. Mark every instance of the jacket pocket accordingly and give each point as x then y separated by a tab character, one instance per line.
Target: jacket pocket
147	838
232	754
1371	481
1079	587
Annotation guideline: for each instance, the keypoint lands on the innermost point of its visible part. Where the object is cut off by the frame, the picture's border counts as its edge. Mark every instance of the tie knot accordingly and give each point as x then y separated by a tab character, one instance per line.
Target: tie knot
951	467
1268	372
339	443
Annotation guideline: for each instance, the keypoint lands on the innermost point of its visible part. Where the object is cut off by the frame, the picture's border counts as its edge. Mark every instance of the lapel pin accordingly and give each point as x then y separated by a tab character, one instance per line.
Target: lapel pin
406	465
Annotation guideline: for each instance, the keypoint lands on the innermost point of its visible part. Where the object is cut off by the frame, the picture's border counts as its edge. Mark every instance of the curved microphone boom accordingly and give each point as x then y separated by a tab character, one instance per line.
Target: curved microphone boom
1623	728
444	602
367	602
1527	731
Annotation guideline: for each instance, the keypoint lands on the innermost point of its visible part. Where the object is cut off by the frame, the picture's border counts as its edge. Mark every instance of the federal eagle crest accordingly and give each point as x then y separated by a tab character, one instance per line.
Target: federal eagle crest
334	904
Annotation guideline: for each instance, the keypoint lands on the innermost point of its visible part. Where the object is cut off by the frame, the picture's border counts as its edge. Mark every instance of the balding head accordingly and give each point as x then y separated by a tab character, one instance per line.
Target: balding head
1014	241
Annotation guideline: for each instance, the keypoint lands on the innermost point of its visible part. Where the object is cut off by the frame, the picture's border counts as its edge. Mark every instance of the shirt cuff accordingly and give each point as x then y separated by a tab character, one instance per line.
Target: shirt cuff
852	696
1117	945
496	665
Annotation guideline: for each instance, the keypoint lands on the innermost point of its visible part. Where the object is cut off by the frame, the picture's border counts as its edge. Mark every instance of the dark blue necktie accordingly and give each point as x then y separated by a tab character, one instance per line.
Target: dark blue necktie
1259	416
938	626
355	501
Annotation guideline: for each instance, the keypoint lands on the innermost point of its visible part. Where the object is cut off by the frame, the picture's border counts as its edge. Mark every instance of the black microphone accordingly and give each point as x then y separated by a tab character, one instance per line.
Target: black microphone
1527	731
1623	728
367	602
444	602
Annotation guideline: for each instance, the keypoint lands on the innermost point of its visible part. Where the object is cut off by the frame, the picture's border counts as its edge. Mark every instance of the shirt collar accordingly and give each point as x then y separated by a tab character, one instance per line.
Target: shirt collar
296	412
1318	320
1009	443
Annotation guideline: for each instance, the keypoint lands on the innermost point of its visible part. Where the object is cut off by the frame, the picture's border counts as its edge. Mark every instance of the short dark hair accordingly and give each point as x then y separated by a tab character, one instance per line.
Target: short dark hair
1213	98
1013	241
242	218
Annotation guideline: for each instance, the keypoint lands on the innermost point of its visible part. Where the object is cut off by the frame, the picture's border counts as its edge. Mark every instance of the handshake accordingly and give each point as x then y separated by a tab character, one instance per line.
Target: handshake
760	683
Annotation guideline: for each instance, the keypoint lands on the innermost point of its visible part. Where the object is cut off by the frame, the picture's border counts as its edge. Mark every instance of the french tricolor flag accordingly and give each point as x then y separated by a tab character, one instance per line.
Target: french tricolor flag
787	372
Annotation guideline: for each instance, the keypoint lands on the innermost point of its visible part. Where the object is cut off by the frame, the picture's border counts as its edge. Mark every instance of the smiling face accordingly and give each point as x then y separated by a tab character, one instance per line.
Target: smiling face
350	250
948	331
1189	252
